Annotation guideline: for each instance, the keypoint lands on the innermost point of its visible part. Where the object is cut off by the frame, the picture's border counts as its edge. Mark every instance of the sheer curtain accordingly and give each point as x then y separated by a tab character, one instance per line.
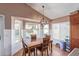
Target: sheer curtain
60	31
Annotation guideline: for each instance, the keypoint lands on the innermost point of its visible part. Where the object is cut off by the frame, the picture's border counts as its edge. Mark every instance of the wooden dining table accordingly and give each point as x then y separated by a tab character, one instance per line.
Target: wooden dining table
35	44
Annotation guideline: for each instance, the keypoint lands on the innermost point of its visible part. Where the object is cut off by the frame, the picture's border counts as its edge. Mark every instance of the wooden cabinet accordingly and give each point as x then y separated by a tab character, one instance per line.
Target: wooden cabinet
74	28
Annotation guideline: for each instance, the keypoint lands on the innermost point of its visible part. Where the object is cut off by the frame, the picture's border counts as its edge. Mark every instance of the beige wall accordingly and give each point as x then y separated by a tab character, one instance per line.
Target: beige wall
19	10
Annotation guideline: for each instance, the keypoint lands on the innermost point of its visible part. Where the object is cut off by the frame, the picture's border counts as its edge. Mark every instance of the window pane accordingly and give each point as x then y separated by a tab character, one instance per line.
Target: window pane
55	31
46	29
60	30
18	28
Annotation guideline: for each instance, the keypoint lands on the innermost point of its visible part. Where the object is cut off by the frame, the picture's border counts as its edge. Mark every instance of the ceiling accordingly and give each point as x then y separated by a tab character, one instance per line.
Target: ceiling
55	10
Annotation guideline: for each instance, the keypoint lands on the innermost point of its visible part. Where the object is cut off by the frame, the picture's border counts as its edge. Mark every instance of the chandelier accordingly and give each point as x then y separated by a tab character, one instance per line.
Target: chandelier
43	20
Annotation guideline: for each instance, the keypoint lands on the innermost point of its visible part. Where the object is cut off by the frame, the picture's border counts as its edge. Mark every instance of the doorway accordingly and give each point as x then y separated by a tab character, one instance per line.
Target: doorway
2	35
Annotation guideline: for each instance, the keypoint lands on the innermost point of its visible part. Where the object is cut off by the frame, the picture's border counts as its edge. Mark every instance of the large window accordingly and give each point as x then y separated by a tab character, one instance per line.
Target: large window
32	28
60	30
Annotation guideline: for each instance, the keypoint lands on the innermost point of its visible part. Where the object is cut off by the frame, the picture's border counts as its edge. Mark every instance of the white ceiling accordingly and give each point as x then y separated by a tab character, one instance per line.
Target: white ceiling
55	10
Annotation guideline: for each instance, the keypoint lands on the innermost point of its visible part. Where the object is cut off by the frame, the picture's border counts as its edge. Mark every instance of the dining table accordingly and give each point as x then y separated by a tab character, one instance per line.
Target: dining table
36	43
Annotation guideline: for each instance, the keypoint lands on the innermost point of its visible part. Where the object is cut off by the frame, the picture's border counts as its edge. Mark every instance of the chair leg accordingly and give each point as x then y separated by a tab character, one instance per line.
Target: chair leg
34	53
29	52
42	53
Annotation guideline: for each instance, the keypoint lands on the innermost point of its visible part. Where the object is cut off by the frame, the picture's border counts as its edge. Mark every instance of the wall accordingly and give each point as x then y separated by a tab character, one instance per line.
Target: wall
19	10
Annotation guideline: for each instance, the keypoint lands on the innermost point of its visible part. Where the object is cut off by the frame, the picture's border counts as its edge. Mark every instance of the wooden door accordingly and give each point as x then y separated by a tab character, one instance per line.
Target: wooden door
74	23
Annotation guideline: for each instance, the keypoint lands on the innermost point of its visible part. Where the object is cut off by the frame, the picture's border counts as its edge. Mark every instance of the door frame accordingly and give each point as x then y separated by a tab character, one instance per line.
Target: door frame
3	33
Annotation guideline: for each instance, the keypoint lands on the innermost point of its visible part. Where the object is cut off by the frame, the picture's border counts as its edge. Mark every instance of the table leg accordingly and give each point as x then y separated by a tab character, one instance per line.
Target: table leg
36	52
29	52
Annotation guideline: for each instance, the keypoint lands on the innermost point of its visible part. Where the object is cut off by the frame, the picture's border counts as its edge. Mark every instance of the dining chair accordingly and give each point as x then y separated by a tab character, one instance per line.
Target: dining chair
25	49
33	37
43	47
48	37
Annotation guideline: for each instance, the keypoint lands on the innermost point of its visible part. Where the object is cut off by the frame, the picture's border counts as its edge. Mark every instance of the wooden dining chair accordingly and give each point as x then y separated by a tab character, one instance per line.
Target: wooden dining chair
33	37
25	49
43	47
48	37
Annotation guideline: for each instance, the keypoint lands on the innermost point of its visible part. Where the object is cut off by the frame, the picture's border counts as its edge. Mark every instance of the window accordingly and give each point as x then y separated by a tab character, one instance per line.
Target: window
60	30
17	30
46	29
32	28
56	31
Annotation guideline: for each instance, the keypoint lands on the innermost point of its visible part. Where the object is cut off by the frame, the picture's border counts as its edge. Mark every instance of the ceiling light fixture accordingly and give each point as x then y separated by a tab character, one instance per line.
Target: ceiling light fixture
43	20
